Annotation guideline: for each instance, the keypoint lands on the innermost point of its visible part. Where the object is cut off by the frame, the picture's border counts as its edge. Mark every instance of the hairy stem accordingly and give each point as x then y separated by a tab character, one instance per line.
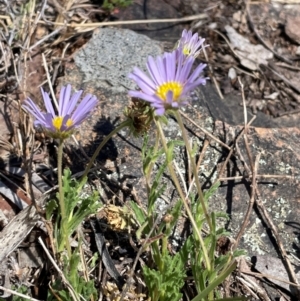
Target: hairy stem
194	167
64	221
183	198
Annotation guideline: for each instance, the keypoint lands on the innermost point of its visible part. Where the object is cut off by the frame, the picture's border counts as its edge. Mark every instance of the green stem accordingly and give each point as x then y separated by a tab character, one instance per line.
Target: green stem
96	153
164	246
64	221
211	286
149	171
194	167
155	244
182	196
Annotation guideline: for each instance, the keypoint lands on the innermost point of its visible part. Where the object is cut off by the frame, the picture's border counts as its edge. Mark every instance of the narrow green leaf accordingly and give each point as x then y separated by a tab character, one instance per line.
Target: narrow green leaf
216	282
138	212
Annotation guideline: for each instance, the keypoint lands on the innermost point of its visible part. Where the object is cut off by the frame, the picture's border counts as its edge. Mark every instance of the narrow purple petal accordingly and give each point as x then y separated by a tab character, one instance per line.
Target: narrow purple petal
73	102
88	103
169	97
180	59
160	111
39	116
171	67
186	69
64	126
145	84
141	95
191	86
48	103
153	71
197	72
33	108
48	124
37	123
64	98
140	74
161	67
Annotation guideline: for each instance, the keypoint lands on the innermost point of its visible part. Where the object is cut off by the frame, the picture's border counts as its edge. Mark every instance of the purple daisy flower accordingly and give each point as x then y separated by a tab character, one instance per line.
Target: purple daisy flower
190	44
170	82
69	116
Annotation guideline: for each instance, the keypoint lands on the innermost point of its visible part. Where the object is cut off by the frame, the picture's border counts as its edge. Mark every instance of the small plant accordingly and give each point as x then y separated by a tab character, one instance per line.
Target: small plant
76	208
112	4
165	90
72	209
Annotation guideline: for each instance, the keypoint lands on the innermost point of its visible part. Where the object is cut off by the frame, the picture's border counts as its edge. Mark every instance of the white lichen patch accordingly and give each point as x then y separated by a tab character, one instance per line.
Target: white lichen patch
208	166
208	124
262	162
282	167
280	209
161	205
253	238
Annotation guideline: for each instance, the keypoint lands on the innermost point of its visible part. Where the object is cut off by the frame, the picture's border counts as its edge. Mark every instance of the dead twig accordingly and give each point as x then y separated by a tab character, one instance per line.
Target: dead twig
250	205
205	131
283	78
254	168
257	176
262	275
232	150
53	33
253	288
212	74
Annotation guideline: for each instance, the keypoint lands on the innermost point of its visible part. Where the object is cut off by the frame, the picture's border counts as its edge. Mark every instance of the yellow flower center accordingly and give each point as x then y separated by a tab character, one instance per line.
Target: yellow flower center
186	51
174	87
69	122
57	122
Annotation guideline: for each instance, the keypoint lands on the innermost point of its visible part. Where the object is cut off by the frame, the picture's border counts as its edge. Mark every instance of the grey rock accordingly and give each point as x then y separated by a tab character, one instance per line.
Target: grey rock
111	55
292	26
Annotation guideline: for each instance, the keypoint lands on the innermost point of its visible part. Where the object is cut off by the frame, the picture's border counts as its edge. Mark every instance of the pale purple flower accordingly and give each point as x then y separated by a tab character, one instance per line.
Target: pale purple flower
170	81
69	115
190	44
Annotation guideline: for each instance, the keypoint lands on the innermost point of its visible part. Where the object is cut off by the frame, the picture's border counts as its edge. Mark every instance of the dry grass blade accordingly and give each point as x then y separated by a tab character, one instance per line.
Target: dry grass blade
232	150
114	23
262	275
212	74
205	131
250	205
253	288
61	274
17	294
